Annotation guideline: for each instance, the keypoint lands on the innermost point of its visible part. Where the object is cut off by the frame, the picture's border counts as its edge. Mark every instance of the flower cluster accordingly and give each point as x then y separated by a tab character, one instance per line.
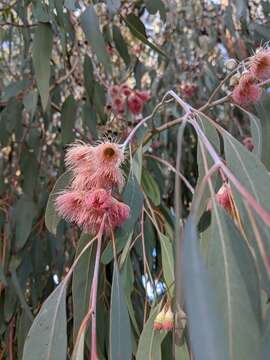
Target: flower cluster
248	90
164	319
123	95
188	89
96	174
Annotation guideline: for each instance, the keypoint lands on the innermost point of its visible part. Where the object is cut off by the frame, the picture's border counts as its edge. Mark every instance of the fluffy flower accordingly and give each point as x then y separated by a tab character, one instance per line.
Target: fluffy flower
69	205
260	65
118	104
144	95
125	90
78	157
247	91
114	91
118	213
135	104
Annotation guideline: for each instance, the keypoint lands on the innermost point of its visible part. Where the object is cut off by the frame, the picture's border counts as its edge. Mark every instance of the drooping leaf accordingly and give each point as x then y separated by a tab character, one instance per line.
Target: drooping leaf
24	213
149	346
113	6
234	276
51	217
88	75
42	48
90	25
120	45
120	331
150	187
138	30
207	341
68	118
154	6
47	337
167	260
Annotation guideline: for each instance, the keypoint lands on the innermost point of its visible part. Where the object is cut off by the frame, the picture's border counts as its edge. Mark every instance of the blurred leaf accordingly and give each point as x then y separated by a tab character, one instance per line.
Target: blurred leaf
2	276
82	281
235	280
255	178
113	5
138	30
14	88
51	217
24	213
154	6
42	48
120	45
71	5
207	341
262	112
47	338
149	347
88	75
257	135
100	100
90	25
68	118
30	102
90	120
150	187
167	261
266	337
120	331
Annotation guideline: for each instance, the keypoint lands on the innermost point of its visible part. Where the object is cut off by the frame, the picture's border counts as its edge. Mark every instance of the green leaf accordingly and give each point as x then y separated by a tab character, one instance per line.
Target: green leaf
149	347
42	48
266	337
138	30
90	25
82	281
68	118
113	6
234	276
14	88
120	45
206	329
167	260
51	217
47	338
154	6
255	178
24	213
120	331
150	187
88	75
262	112
2	276
30	102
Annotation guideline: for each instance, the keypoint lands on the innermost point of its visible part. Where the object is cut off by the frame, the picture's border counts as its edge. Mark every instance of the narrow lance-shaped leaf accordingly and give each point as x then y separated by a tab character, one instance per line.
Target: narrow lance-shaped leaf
47	337
42	48
68	117
90	25
206	329
234	276
120	331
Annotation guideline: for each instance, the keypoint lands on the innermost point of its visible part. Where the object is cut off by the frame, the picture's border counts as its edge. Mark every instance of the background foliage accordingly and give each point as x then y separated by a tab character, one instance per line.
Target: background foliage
58	59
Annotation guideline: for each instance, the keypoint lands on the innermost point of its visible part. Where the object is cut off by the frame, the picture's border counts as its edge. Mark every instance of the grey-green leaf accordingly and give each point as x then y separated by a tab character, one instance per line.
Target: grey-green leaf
120	331
47	337
51	217
235	279
206	329
42	48
68	117
150	187
90	25
120	45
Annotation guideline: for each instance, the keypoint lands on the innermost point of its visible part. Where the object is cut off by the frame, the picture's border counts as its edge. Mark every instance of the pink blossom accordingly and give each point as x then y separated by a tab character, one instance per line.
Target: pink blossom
114	91
125	90
135	104
78	157
144	95
118	213
260	65
69	205
224	198
247	91
118	104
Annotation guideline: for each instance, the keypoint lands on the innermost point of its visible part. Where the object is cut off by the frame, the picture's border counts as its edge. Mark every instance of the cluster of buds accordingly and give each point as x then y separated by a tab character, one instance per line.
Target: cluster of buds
248	90
188	89
164	319
121	96
96	175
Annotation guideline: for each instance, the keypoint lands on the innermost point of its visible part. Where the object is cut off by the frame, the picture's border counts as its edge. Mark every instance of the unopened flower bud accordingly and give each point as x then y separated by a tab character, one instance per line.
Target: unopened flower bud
168	321
158	322
234	80
230	64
